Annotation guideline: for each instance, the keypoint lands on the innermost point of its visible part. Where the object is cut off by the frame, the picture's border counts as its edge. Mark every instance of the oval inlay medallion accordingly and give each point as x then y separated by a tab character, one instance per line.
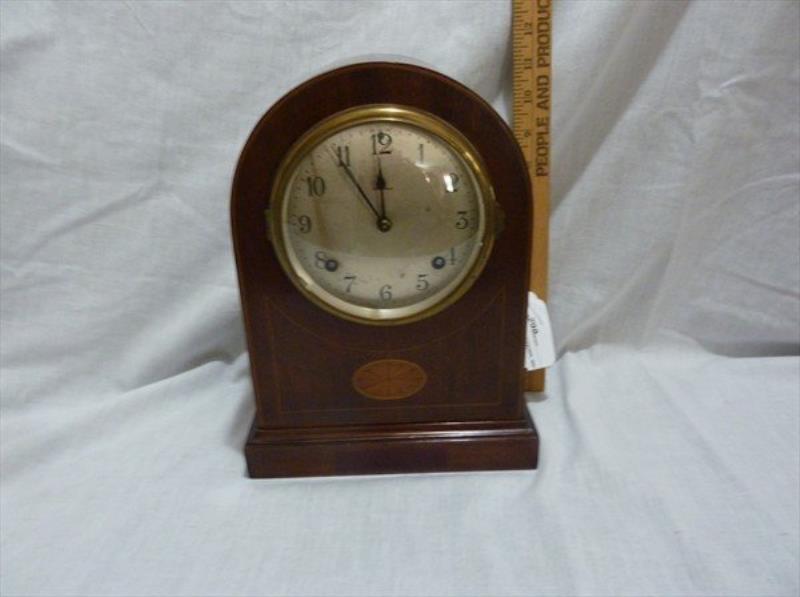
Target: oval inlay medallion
389	379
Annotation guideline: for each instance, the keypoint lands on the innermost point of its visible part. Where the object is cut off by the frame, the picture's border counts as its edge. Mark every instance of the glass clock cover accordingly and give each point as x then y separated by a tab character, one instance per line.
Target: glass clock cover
382	215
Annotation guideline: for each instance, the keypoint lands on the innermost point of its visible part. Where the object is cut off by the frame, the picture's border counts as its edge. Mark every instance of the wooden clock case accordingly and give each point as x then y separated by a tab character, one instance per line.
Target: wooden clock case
469	413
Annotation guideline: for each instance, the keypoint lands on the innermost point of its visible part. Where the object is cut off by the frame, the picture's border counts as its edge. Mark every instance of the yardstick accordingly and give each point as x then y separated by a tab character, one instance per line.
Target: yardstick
532	44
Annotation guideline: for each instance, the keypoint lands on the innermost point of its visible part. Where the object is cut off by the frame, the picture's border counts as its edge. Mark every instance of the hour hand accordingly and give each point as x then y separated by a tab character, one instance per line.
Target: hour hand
380	184
384	224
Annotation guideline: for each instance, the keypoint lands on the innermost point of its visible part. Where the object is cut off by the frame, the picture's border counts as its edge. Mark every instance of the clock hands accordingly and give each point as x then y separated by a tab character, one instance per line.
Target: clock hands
342	164
384	223
360	190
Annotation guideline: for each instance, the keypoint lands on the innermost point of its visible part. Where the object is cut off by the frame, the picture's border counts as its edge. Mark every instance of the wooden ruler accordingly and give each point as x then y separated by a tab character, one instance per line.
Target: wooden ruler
532	44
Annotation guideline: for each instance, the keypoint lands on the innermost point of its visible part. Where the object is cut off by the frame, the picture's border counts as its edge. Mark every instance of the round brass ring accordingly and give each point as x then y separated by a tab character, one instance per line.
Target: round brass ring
380	113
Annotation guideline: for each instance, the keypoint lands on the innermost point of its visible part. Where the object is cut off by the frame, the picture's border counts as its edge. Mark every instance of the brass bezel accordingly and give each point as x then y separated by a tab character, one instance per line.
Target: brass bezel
381	113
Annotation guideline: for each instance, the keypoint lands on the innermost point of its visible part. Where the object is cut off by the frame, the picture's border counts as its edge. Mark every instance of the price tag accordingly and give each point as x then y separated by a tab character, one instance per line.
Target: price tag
539	349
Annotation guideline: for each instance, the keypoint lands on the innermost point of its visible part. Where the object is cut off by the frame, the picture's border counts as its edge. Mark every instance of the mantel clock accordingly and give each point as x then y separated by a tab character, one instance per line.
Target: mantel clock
381	223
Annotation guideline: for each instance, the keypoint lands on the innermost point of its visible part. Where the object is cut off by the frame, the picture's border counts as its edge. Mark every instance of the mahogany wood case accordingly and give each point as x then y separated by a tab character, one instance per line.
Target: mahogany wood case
311	419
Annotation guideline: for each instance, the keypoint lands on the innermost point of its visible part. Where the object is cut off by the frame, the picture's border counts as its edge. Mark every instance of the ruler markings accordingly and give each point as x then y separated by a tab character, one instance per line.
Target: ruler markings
531	54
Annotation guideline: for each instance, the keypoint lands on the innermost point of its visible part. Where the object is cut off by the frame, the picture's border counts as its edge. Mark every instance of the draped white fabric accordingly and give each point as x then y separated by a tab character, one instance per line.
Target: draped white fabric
670	428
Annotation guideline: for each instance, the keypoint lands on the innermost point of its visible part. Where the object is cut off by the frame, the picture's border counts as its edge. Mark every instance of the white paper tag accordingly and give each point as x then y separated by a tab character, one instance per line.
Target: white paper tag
539	349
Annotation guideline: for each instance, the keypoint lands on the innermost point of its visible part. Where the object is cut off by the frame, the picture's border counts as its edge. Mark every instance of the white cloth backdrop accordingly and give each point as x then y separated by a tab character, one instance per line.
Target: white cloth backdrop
670	425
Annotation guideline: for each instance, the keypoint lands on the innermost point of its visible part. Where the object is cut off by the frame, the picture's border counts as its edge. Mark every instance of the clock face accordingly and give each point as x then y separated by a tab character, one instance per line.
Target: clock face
382	215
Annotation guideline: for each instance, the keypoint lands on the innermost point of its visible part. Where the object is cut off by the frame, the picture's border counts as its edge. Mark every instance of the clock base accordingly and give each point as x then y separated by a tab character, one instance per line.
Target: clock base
398	448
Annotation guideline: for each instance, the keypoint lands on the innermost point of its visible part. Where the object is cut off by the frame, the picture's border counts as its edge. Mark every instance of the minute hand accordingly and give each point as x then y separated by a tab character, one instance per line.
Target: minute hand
360	190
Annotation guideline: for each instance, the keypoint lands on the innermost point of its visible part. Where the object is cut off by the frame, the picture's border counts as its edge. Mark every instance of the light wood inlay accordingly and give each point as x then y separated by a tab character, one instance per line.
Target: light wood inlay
389	379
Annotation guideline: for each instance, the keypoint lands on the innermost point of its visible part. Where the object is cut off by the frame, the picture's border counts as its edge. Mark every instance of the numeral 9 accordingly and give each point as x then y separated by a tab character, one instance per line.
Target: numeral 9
303	223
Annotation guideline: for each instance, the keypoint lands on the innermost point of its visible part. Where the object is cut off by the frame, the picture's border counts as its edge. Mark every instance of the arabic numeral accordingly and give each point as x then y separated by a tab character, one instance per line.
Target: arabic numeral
385	293
381	143
350	279
323	261
451	182
316	186
462	222
319	259
440	262
343	153
422	282
302	223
